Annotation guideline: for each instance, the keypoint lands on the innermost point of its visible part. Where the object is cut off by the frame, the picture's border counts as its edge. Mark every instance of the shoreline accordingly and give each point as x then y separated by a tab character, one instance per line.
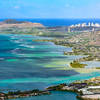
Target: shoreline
22	94
81	88
85	90
61	87
45	91
80	69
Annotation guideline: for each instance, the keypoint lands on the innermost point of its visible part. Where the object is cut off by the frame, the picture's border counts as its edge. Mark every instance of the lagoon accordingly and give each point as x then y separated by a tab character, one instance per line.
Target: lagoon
26	64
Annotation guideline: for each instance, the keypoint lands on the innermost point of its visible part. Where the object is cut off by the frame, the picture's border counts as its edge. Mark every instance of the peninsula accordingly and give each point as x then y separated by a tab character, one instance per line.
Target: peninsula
86	89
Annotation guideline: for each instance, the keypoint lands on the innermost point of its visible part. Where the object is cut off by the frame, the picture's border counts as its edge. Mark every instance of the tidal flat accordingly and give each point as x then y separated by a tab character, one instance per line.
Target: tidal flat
27	64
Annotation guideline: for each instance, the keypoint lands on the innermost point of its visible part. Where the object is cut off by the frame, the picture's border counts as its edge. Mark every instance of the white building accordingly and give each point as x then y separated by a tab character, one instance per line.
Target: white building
94	87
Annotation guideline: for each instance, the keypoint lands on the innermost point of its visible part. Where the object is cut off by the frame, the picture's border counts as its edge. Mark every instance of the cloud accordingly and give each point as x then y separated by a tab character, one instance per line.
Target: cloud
16	7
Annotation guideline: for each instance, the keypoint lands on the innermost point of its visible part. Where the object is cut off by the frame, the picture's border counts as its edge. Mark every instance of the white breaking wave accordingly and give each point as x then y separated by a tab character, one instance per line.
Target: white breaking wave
28	46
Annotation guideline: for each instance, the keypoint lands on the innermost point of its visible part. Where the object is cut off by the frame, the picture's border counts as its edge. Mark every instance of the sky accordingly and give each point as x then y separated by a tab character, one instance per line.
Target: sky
49	9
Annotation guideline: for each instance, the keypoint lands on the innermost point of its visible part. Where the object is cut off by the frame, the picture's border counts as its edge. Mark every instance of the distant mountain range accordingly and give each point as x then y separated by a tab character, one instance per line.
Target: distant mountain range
21	24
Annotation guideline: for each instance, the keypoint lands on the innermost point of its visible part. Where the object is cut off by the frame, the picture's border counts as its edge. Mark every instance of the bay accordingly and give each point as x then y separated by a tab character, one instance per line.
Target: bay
26	64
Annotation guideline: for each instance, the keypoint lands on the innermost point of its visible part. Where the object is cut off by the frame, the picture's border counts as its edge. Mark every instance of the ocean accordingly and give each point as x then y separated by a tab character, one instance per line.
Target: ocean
59	22
27	64
25	61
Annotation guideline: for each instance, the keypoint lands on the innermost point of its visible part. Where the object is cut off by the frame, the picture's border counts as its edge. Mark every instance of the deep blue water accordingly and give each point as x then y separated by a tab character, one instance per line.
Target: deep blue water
59	22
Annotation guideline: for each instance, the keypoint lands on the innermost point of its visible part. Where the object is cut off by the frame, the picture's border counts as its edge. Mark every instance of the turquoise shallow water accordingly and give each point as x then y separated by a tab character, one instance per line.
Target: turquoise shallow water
92	64
26	64
25	61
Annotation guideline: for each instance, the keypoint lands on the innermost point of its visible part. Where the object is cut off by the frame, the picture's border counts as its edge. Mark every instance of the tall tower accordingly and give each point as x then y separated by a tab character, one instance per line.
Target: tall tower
92	34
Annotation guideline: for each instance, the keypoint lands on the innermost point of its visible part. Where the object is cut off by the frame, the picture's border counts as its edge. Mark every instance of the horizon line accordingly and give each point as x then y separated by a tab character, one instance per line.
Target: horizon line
49	18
